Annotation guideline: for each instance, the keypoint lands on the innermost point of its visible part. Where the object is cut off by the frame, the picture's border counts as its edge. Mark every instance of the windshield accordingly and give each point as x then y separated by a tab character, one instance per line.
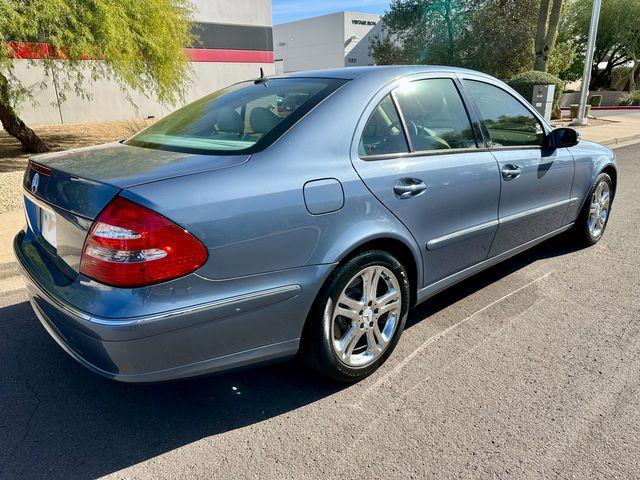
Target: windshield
244	118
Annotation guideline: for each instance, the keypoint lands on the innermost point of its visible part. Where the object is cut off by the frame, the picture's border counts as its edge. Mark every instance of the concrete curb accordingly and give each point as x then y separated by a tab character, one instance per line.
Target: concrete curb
621	142
616	107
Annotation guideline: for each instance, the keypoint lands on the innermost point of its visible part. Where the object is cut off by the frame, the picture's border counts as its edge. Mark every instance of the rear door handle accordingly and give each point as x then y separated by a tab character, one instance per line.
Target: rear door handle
511	171
409	187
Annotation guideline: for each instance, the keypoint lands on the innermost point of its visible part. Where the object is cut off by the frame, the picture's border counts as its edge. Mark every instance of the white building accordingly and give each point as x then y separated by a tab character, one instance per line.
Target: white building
236	39
328	41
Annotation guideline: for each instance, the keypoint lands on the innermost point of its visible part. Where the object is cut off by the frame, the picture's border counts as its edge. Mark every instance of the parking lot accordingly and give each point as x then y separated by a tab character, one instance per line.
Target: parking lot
528	370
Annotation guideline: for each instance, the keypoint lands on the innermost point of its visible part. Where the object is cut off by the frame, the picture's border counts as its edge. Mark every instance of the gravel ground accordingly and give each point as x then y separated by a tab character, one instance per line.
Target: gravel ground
10	191
530	370
64	137
59	137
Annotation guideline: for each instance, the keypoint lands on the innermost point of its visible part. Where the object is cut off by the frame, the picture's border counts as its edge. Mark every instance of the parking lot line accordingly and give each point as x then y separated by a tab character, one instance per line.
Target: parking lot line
405	361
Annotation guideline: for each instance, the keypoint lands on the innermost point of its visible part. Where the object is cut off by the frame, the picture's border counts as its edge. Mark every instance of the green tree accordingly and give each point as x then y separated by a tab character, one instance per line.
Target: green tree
499	40
561	61
494	36
423	31
631	41
140	44
618	40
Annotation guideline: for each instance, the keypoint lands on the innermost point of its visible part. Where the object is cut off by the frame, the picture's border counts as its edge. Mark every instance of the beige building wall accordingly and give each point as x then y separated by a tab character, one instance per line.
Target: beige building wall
108	102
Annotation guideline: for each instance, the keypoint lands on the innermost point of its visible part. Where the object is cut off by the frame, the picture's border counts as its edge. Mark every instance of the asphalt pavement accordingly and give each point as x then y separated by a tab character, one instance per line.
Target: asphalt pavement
616	113
528	370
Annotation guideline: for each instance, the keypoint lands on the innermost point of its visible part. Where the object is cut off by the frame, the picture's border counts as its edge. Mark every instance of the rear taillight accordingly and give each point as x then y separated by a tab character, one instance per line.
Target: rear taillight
132	246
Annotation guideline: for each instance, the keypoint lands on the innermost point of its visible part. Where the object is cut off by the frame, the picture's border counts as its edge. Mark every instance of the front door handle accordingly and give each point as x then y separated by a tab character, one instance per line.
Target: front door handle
511	171
409	187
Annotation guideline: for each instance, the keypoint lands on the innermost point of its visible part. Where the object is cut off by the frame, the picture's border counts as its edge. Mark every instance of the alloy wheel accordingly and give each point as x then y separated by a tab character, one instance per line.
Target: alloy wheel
365	316
599	209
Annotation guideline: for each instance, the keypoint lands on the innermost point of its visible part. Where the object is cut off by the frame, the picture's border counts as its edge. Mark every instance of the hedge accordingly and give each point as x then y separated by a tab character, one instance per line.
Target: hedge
523	83
632	99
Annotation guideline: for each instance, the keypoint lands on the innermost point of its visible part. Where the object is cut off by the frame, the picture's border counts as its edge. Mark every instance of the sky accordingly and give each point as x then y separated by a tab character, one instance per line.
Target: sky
290	10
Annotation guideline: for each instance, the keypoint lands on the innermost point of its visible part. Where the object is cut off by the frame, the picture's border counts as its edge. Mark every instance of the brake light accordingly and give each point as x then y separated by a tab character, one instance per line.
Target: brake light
132	246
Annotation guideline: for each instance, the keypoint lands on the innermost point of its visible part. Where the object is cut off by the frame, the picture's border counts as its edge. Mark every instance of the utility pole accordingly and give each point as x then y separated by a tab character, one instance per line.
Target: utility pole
586	76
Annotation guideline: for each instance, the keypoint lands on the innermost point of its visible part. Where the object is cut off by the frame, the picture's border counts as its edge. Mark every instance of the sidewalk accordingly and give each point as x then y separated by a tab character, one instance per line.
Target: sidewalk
10	224
619	132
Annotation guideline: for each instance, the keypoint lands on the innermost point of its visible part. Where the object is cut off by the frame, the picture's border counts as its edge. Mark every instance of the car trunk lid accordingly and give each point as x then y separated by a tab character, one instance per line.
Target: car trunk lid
65	191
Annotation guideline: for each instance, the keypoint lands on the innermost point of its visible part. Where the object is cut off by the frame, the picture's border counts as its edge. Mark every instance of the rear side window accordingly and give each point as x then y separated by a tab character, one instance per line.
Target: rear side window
435	116
383	134
243	118
508	121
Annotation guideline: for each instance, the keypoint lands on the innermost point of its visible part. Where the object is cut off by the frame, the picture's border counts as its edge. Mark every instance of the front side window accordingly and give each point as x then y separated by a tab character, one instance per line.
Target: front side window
435	116
383	134
243	118
508	121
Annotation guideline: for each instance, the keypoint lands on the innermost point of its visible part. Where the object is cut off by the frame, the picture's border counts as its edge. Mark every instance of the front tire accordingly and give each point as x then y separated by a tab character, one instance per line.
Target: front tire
358	318
594	216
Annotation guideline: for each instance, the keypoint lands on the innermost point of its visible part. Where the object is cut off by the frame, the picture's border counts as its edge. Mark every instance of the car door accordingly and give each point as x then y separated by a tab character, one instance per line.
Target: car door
416	150
535	180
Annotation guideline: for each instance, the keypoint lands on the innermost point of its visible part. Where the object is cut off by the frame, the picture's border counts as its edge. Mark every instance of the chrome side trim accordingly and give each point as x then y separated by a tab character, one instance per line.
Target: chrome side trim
460	234
533	211
424	153
430	290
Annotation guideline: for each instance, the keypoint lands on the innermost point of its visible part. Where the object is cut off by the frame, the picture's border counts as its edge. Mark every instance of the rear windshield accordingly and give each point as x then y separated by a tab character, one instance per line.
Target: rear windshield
244	118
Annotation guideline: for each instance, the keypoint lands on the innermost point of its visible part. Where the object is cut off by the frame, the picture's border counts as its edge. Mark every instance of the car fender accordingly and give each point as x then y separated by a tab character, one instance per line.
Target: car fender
590	160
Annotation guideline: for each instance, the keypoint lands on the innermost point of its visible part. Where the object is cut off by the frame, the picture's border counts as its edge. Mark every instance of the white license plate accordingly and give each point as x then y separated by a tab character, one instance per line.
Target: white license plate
48	226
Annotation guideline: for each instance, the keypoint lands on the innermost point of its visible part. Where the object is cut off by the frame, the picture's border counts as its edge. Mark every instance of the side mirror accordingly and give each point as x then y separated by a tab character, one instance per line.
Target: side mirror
563	138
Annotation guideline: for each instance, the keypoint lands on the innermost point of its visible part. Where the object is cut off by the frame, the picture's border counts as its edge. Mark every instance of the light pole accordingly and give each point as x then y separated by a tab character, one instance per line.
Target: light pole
586	76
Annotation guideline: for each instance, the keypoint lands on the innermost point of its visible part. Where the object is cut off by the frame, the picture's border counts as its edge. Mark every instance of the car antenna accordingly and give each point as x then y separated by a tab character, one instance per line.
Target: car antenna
262	78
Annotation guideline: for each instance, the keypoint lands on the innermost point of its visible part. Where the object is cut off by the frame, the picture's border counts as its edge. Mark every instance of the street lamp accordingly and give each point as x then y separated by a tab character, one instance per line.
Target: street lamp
586	76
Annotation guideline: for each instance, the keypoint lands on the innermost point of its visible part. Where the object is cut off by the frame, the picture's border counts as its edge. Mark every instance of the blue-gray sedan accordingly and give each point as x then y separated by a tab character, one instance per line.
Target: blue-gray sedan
302	213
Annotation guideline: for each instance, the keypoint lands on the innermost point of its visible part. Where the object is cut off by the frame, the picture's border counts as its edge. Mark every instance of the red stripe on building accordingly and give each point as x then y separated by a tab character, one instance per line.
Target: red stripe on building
235	56
29	50
35	51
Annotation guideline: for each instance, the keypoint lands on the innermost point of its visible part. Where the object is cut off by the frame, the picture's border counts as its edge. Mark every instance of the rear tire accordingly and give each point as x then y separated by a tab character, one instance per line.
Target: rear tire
594	216
358	317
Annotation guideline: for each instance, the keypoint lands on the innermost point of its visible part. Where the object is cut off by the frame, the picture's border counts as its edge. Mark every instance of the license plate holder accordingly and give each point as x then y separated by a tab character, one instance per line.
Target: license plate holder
48	226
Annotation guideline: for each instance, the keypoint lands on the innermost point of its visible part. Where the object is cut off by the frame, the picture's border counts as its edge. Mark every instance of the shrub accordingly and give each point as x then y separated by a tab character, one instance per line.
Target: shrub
523	83
632	99
595	100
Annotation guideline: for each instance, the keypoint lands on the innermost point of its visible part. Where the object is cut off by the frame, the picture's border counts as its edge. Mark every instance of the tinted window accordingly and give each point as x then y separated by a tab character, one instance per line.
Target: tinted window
383	132
242	118
435	115
508	121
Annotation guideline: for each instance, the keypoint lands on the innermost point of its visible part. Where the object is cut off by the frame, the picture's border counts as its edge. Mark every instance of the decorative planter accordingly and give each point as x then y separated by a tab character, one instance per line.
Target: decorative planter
574	110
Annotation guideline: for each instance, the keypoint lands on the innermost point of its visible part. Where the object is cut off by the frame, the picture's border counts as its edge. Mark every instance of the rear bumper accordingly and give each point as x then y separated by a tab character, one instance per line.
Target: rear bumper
205	338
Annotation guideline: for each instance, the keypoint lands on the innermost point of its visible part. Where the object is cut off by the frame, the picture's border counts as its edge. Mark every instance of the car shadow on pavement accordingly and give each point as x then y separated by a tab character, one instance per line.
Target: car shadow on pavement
557	246
59	420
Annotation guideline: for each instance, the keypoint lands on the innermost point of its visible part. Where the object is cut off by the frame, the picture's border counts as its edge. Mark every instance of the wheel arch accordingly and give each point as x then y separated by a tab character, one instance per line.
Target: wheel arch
404	250
612	171
410	259
396	247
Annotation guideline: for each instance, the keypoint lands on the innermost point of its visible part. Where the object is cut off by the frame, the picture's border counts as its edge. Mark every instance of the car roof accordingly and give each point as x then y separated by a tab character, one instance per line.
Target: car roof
390	71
